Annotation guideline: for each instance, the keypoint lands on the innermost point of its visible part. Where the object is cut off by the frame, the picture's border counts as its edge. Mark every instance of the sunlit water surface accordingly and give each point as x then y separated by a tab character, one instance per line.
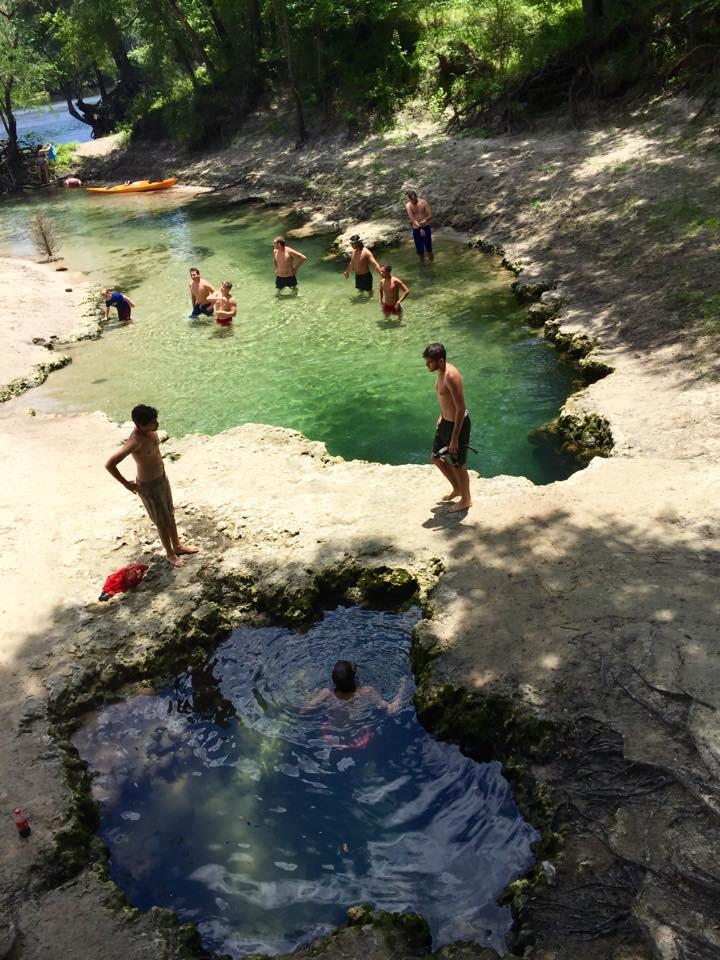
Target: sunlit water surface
51	123
224	800
325	362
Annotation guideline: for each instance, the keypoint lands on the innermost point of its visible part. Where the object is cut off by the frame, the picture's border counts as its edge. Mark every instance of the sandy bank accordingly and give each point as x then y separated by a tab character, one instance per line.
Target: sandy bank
52	307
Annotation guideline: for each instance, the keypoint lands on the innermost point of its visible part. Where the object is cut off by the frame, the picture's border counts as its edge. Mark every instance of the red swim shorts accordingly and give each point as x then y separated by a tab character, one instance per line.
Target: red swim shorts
223	321
394	310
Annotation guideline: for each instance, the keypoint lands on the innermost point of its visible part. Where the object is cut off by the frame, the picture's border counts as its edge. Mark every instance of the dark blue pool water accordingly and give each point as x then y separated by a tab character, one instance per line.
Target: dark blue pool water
225	798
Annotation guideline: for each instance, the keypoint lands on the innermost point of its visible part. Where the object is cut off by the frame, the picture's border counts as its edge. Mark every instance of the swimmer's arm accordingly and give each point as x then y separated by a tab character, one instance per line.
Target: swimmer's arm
406	291
112	465
301	257
233	308
192	295
396	703
107	313
454	388
320	697
128	300
428	214
373	261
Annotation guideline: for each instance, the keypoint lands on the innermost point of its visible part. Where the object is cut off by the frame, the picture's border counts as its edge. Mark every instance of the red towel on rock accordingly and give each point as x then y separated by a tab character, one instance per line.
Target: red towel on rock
122	580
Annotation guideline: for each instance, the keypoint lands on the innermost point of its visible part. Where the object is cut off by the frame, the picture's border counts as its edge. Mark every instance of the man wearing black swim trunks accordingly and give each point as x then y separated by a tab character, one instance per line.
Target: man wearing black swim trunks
360	262
452	431
287	263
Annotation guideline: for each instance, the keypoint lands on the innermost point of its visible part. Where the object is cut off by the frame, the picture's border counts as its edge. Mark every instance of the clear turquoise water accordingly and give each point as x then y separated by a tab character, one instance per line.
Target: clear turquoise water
326	362
262	823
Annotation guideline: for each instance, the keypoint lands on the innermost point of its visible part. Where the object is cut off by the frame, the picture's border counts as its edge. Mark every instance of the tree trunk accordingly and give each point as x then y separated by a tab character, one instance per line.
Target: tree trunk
281	11
195	43
220	28
100	82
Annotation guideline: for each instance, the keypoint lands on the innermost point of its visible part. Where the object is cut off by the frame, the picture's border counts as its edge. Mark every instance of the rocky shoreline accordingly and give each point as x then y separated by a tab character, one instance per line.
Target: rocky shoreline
570	630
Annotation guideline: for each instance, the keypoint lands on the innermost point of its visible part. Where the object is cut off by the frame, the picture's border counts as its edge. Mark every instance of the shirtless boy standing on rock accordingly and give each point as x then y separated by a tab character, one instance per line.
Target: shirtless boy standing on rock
284	258
201	292
151	484
360	262
452	430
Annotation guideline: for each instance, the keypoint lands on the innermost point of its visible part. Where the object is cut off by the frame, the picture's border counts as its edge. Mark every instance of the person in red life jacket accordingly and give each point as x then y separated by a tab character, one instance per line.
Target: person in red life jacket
151	483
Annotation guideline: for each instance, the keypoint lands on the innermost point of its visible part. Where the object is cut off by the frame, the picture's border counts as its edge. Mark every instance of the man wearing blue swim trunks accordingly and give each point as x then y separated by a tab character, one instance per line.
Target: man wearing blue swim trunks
420	214
122	304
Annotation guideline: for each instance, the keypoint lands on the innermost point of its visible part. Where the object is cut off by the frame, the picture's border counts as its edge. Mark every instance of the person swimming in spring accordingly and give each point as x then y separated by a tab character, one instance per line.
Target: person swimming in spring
345	687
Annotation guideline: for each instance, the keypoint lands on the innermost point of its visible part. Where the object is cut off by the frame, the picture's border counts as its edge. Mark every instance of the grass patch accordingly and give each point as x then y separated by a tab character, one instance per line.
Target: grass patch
697	307
680	216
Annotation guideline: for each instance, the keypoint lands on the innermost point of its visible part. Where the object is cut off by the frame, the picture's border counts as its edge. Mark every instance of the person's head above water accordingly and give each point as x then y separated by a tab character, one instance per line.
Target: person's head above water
386	270
355	240
143	415
279	241
194	272
412	196
226	285
344	676
434	351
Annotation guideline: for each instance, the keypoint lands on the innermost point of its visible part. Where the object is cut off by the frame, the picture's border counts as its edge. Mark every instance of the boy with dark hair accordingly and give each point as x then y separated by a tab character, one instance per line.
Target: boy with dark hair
287	262
360	262
201	295
452	430
390	297
151	483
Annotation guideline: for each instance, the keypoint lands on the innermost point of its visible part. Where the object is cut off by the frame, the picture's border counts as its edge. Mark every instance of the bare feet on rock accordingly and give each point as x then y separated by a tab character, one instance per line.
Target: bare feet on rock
459	507
185	549
174	560
451	495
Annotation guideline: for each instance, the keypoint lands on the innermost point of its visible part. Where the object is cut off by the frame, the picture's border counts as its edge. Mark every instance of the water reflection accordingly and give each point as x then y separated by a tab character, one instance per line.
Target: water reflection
224	797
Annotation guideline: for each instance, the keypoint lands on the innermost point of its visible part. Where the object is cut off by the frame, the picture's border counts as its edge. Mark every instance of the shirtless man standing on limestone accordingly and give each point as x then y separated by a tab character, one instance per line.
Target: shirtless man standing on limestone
452	430
286	268
360	262
420	214
151	483
201	293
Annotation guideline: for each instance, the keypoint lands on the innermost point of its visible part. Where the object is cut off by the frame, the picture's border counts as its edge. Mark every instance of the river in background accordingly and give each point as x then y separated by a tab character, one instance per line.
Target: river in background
51	123
325	362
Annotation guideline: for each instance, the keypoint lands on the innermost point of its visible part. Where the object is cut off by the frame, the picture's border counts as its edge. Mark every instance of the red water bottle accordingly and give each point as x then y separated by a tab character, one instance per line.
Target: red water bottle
22	823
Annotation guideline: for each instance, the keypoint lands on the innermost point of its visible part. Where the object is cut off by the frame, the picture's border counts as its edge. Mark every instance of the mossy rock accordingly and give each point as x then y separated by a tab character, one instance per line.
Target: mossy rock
527	290
41	371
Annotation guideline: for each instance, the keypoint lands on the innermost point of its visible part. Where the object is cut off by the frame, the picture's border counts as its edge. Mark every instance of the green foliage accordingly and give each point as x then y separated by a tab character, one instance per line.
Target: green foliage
192	69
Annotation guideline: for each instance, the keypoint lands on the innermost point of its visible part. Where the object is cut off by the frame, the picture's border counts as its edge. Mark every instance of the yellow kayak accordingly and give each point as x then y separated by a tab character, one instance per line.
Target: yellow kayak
137	186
